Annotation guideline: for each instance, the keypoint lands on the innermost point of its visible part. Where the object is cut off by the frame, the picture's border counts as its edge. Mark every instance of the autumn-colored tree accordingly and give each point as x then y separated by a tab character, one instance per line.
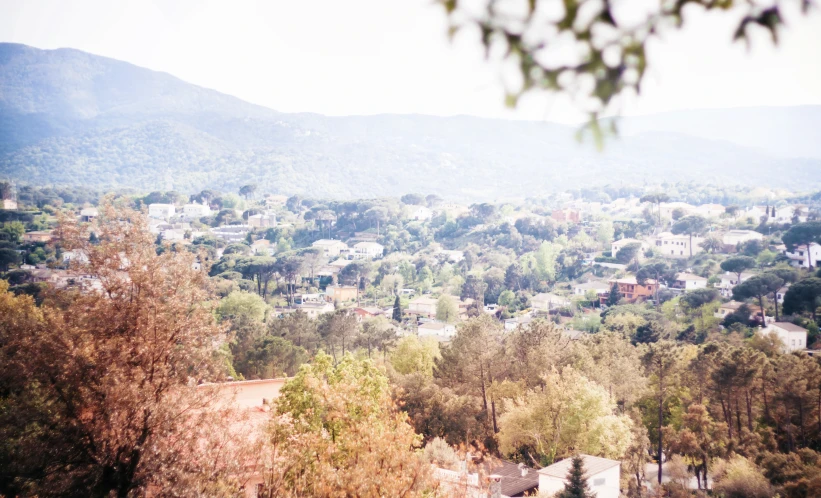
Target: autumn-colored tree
337	433
700	439
99	388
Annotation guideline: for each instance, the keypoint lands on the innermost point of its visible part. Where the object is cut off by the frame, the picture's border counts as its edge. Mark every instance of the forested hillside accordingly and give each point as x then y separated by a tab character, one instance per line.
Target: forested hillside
69	117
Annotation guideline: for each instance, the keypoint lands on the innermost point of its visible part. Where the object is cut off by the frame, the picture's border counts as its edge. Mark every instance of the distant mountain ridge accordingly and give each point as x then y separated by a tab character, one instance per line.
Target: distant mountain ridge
67	116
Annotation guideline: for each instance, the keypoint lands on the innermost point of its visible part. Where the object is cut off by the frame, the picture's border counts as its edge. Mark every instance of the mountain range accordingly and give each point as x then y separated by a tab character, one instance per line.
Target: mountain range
70	117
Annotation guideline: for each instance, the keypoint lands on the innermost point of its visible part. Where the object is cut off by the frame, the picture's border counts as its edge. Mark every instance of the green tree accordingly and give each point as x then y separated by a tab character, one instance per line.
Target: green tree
656	270
690	225
13	231
737	265
662	360
759	286
656	199
8	257
247	191
242	305
802	234
576	486
397	310
415	355
628	253
615	295
803	296
569	413
446	310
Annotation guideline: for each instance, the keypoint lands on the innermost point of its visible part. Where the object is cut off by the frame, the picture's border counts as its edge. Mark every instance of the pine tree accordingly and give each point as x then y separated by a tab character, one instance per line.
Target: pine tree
615	295
576	486
397	310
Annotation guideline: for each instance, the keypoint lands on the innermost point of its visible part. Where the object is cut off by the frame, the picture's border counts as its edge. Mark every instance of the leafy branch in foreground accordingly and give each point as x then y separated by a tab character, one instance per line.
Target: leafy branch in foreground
609	41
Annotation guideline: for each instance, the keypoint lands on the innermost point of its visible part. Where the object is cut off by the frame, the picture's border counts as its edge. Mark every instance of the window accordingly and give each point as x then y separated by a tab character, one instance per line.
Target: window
598	482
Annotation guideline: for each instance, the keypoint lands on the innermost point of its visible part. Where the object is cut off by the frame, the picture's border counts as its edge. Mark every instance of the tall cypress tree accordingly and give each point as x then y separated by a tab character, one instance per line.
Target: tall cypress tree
397	310
576	486
615	295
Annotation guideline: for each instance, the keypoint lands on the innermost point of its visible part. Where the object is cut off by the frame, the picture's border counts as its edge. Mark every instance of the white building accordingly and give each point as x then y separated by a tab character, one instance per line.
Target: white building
195	211
78	256
803	257
546	301
423	305
602	476
792	336
262	220
616	245
710	210
263	247
786	214
420	213
689	281
667	208
451	256
161	211
732	238
231	233
330	248
368	250
597	286
440	330
676	246
730	280
89	214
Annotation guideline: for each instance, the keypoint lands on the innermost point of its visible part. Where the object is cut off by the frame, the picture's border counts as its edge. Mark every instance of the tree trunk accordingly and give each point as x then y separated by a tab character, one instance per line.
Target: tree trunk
661	419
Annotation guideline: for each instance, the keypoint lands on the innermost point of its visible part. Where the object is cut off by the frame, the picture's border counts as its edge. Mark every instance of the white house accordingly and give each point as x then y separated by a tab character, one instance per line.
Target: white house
732	238
423	305
368	250
597	286
689	281
161	211
667	208
440	330
786	214
263	247
710	210
420	213
231	233
89	214
451	256
802	257
676	246
330	248
195	211
546	301
779	294
616	245
793	336
730	280
77	255
602	476
262	220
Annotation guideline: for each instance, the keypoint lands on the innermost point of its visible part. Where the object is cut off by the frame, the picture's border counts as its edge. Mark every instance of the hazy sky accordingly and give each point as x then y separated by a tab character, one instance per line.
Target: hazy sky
379	56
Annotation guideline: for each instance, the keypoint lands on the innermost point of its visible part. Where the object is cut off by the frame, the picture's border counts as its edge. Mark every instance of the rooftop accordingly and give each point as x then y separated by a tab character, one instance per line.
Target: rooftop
592	466
690	276
789	327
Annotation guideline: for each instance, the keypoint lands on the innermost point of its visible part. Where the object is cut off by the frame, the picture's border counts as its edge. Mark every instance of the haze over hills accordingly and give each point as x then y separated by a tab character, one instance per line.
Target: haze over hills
71	117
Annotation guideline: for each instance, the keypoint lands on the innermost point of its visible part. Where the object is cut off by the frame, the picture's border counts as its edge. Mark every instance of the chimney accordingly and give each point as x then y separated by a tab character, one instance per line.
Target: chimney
495	486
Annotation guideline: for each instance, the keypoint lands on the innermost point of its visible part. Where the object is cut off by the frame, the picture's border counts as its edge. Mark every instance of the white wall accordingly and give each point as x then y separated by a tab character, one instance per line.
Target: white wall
609	489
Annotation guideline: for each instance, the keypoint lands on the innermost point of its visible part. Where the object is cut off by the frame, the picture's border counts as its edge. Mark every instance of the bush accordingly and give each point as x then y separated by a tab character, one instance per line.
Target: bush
740	478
